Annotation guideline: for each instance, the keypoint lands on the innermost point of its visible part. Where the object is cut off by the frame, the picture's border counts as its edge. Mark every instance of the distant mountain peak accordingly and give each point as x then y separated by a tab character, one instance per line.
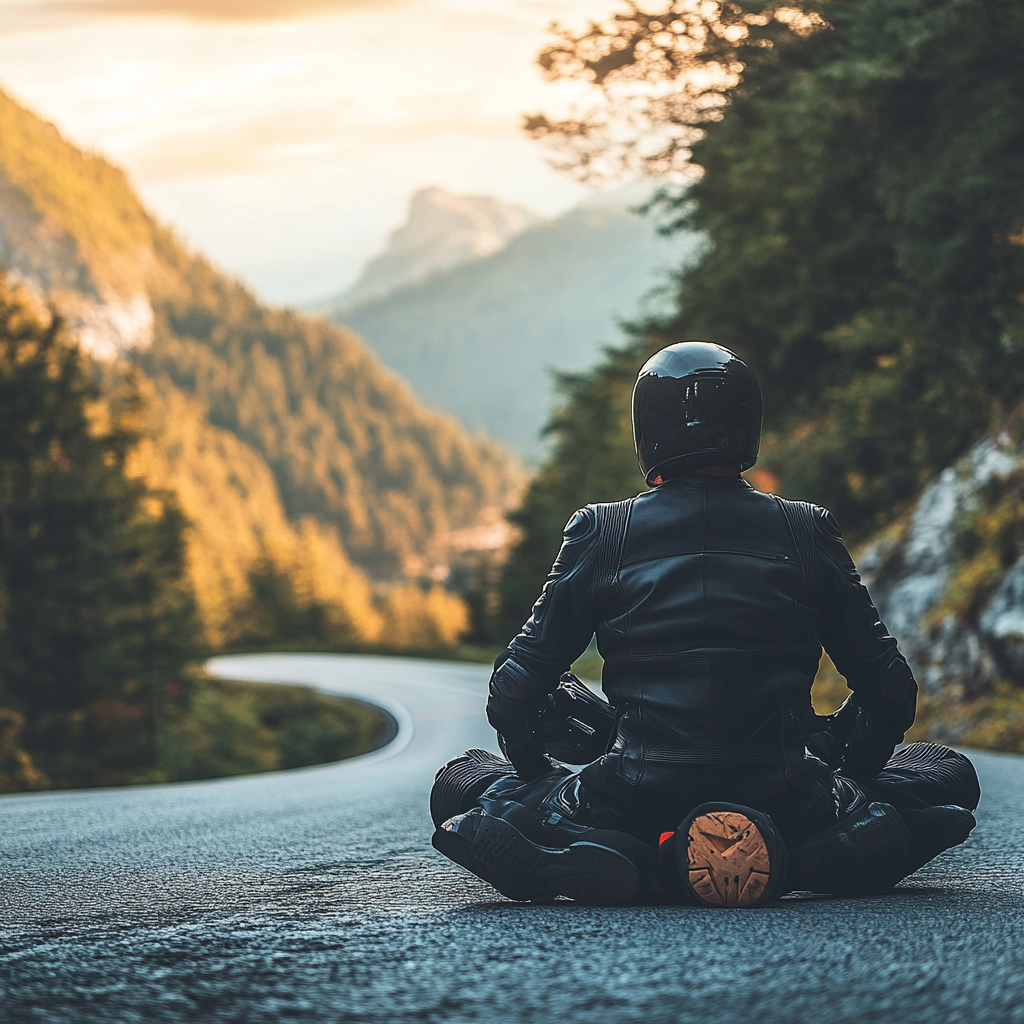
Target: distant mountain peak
442	230
479	339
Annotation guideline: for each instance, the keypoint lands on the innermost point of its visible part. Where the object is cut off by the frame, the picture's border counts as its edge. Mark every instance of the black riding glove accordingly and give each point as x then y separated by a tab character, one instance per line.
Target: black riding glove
853	739
829	735
870	746
576	726
512	709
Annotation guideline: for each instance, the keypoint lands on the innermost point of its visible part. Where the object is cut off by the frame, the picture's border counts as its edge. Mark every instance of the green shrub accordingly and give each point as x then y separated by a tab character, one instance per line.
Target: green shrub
236	728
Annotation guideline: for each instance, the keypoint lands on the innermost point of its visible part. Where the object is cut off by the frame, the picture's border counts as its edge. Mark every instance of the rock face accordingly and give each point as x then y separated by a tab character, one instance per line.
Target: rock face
443	230
111	327
42	256
910	575
1002	622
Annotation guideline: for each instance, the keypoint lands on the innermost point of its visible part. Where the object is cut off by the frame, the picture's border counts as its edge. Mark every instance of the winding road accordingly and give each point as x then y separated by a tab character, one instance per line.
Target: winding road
314	895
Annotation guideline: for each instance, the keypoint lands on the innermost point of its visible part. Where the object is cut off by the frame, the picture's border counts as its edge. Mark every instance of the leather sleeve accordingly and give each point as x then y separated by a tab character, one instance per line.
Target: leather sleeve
857	641
554	636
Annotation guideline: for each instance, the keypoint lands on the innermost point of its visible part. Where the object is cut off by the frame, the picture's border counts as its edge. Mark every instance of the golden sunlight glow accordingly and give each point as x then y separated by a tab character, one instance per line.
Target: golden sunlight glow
284	138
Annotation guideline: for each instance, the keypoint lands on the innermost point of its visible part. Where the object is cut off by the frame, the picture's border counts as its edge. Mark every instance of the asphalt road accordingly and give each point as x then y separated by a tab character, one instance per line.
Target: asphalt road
314	895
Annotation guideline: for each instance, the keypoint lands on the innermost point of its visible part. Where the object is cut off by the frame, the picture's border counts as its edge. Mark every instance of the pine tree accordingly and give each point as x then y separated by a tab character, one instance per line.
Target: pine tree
98	624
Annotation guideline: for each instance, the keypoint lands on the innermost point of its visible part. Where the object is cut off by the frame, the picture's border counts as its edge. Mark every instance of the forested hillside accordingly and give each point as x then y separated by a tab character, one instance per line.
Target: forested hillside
481	339
98	623
863	204
285	439
346	441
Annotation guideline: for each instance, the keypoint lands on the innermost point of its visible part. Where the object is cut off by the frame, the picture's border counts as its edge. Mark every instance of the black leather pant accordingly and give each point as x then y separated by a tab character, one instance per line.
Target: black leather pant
801	803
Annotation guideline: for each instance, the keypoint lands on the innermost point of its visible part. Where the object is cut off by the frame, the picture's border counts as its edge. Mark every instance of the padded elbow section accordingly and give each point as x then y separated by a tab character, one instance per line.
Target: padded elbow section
511	682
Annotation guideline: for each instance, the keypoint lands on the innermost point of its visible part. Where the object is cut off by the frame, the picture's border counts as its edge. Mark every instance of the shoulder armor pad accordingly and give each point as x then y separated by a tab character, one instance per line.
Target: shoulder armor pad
827	523
582	523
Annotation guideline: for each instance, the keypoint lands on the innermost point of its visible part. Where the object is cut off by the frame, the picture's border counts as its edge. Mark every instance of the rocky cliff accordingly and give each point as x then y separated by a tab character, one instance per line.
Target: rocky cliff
948	579
52	241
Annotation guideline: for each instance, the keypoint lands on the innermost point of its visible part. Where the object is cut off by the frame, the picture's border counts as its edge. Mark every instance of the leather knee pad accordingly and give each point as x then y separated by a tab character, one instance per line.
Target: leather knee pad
459	783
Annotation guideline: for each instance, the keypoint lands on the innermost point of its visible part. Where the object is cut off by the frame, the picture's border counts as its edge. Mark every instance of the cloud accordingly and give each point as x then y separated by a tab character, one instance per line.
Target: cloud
248	144
215	10
257	142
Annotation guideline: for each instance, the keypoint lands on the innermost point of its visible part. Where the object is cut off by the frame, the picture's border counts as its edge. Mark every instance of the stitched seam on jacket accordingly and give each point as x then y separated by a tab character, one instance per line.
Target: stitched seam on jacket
799	516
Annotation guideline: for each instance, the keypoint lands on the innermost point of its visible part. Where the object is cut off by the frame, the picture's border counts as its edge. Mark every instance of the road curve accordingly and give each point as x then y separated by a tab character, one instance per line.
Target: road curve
313	895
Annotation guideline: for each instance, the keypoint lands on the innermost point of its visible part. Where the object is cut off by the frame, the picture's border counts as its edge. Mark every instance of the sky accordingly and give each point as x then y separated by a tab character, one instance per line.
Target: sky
283	138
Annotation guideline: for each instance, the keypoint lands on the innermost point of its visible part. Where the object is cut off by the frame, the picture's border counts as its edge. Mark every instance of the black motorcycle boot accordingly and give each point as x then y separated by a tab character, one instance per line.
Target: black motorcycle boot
935	829
876	849
863	855
522	839
593	866
728	855
457	838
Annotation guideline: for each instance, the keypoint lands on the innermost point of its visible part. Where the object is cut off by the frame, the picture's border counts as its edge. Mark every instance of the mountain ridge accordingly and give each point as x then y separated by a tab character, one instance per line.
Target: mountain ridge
480	340
343	440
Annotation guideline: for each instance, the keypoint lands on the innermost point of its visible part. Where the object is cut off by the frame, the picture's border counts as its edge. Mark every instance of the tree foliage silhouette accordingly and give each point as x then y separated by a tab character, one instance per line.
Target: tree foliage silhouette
860	196
98	624
656	77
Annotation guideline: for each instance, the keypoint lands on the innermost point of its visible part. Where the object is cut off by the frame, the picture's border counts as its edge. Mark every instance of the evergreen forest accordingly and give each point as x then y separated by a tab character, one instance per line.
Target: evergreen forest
855	172
97	621
100	631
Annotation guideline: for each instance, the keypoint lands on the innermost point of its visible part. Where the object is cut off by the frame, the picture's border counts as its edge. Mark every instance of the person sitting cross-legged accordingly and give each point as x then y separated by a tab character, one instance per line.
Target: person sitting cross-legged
707	773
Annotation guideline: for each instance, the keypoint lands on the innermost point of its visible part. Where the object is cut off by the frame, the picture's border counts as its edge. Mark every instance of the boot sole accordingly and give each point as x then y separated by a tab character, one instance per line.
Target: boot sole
459	847
522	870
728	863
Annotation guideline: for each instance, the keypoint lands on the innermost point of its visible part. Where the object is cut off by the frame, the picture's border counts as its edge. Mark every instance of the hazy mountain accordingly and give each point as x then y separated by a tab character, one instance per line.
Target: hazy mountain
480	339
278	432
442	231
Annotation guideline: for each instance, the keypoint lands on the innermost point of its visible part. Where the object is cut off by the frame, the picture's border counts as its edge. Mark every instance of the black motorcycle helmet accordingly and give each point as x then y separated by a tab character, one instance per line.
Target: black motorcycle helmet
695	404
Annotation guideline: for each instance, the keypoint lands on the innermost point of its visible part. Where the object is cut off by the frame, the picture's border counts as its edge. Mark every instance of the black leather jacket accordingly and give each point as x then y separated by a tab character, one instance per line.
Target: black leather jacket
710	615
